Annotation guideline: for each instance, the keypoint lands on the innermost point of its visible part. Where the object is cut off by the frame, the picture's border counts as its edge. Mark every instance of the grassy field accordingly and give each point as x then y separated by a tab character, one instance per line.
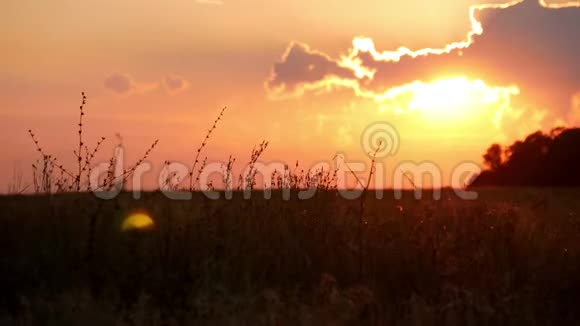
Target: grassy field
512	257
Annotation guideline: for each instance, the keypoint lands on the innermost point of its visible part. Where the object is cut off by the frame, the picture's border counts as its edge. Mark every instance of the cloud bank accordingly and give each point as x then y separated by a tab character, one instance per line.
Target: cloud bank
525	43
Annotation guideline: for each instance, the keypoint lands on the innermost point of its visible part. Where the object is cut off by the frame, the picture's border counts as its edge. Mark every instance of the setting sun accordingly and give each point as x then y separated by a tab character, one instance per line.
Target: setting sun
455	99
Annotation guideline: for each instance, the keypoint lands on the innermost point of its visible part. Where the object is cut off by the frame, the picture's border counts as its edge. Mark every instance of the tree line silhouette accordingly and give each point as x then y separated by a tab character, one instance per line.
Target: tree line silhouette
540	160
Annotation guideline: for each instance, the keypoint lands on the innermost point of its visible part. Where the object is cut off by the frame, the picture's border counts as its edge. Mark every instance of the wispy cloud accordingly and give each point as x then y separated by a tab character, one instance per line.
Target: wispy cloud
175	84
124	84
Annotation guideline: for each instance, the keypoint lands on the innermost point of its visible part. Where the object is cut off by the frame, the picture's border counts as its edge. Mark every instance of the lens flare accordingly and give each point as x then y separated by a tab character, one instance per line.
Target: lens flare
137	222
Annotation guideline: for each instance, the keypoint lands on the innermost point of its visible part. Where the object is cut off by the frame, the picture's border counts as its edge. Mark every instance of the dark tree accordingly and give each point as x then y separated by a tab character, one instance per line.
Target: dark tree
493	157
540	159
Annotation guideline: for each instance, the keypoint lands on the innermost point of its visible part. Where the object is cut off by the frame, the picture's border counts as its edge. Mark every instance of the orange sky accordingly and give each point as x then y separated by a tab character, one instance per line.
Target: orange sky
155	70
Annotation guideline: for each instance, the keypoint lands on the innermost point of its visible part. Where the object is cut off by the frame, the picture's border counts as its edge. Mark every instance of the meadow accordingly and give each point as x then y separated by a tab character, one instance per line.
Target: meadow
512	257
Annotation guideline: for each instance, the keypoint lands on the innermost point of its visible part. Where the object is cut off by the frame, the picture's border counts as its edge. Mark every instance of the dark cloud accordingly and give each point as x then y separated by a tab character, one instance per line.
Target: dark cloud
526	44
534	47
300	66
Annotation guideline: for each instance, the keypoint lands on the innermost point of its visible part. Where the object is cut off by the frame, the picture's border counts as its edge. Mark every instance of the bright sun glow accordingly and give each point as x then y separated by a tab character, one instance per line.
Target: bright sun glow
446	95
456	98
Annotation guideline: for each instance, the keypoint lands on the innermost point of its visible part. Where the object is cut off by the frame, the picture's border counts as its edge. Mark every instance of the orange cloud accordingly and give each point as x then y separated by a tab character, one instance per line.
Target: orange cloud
526	43
119	83
175	84
125	85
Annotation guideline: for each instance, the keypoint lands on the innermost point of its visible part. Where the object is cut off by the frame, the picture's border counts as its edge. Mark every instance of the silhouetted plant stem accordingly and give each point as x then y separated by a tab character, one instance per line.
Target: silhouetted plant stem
362	211
79	156
201	147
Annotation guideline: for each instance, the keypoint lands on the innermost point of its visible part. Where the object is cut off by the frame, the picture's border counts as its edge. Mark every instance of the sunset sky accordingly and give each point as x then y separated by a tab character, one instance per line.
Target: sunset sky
308	76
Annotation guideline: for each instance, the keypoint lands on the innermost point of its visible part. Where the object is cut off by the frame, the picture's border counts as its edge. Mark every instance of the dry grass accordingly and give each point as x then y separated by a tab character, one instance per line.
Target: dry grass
512	257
